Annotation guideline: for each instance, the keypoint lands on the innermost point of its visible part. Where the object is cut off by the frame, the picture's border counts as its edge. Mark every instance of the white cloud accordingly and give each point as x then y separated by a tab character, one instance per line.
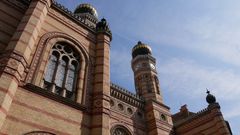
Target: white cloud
211	35
185	75
233	112
217	38
188	81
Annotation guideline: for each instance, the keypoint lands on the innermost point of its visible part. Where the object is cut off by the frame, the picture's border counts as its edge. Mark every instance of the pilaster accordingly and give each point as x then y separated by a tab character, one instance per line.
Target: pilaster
101	92
17	56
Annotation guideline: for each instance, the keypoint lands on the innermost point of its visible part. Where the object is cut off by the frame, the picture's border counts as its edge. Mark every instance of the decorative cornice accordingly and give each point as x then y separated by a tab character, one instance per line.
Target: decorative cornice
126	96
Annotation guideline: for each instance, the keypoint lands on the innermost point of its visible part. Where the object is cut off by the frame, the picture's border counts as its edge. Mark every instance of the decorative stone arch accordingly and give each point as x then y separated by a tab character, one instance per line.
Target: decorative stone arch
120	130
40	59
39	133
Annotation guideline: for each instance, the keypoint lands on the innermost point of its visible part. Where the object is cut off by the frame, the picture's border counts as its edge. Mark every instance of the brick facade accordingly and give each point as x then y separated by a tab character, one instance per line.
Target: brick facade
29	30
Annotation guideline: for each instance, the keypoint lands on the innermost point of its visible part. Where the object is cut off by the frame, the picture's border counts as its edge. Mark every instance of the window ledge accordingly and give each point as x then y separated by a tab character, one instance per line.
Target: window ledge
55	97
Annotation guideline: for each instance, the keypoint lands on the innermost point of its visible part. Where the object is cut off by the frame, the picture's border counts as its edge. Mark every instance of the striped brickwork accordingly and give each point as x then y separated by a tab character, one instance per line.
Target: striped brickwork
101	91
205	122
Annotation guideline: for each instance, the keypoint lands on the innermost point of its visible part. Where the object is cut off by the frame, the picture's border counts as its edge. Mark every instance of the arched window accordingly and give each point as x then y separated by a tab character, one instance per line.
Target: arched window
120	130
39	133
62	69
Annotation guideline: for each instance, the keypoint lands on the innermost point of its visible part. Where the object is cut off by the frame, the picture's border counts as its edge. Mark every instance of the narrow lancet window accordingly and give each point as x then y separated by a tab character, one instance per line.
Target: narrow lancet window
51	66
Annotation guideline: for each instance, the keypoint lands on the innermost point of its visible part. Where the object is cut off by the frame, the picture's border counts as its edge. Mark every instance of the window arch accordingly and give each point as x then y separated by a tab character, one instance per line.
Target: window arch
39	133
62	70
120	130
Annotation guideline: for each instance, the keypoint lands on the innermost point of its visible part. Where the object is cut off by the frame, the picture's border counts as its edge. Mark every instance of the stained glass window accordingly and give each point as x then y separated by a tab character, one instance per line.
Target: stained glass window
62	69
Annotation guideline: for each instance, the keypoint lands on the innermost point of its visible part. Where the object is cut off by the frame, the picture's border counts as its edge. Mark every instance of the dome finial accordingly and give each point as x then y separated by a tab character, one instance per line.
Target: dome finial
210	98
86	9
141	49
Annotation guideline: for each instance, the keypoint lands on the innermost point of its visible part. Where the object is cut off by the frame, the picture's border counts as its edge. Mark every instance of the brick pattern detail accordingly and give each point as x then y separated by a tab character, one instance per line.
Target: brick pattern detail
209	120
101	90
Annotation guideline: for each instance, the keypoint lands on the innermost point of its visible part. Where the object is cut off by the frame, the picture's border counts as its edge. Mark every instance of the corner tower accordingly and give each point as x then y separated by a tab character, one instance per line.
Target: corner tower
157	115
145	73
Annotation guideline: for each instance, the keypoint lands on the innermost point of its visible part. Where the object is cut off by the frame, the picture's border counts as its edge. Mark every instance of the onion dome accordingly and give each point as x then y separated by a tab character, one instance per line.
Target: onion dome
210	98
86	9
141	49
102	27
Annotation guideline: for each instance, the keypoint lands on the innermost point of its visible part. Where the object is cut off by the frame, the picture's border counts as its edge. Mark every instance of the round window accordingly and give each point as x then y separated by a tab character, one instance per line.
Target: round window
163	117
130	111
120	107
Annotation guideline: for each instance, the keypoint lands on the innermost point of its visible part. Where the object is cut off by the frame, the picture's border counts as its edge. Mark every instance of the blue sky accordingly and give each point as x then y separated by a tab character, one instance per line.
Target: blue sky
196	44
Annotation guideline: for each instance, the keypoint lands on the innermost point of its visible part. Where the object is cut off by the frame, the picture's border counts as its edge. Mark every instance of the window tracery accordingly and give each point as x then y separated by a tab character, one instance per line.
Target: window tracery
62	69
119	130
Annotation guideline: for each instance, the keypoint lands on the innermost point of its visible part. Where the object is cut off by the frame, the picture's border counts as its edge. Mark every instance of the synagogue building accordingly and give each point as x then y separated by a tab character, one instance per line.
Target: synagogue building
55	79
